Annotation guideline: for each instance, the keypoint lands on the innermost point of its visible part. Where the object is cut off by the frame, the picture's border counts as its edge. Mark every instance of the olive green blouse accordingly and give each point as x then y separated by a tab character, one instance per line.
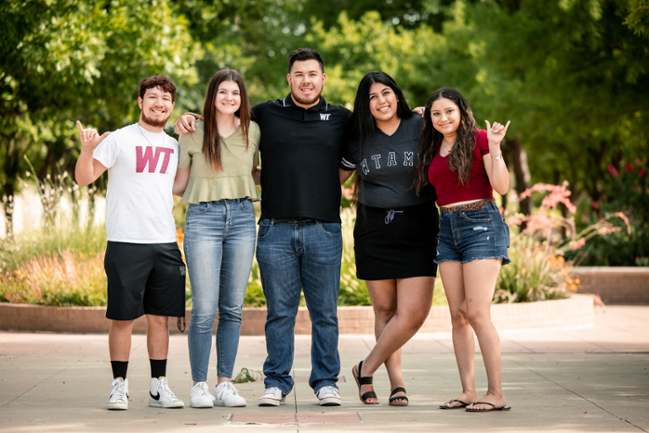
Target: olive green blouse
234	181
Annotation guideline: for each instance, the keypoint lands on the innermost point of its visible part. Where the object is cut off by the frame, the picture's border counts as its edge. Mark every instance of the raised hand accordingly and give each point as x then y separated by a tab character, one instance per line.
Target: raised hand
496	133
90	138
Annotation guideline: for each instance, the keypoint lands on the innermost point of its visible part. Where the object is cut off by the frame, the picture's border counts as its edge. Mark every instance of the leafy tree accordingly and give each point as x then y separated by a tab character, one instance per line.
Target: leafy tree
253	36
407	13
580	70
74	59
415	58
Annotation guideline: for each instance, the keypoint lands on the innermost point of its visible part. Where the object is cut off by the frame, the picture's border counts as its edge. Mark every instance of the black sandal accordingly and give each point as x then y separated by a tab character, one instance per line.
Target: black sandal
494	408
393	399
364	381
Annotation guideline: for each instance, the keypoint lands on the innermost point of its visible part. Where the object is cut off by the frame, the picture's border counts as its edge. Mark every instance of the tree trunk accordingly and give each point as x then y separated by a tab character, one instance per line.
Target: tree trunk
518	160
10	166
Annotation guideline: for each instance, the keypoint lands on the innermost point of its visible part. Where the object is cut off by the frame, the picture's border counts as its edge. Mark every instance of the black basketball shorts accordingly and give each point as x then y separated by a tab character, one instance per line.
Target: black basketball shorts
144	279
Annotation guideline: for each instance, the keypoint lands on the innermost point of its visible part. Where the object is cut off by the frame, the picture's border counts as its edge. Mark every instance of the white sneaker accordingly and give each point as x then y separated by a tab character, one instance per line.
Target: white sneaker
200	396
225	394
328	396
272	397
118	399
161	396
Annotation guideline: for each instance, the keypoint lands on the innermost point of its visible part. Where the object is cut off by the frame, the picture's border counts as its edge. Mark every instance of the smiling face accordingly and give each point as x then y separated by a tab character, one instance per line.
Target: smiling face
228	98
446	116
306	80
156	106
383	103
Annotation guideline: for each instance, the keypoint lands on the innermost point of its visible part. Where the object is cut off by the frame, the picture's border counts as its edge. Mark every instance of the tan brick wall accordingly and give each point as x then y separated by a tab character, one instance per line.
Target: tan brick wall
615	285
578	310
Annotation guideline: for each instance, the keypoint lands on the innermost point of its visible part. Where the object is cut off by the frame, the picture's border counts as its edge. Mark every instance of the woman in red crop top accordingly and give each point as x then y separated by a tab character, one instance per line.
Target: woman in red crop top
465	165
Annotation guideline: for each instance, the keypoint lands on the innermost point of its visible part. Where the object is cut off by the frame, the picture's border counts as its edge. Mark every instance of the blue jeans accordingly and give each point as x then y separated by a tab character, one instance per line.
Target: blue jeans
219	247
292	256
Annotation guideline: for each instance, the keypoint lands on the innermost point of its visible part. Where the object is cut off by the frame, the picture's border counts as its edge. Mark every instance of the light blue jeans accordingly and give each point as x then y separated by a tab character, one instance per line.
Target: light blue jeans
293	256
219	246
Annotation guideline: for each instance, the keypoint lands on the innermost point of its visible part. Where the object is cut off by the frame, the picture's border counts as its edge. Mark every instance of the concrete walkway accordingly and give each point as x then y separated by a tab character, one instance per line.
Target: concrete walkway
588	379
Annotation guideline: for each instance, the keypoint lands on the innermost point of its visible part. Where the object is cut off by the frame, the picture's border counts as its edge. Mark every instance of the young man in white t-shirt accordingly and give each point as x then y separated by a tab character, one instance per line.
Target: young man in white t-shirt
146	274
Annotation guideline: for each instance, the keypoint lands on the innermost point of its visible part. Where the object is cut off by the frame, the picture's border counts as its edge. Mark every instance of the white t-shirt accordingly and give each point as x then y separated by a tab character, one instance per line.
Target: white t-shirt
141	174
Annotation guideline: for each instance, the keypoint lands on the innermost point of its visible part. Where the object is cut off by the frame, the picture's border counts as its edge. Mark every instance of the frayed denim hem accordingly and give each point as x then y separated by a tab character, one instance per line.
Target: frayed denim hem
505	260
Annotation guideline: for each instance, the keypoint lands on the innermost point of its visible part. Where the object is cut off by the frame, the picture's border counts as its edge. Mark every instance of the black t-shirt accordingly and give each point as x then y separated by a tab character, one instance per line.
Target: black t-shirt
386	165
300	153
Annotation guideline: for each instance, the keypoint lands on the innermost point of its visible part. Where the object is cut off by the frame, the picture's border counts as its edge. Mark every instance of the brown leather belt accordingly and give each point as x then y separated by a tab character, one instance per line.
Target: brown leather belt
478	205
292	220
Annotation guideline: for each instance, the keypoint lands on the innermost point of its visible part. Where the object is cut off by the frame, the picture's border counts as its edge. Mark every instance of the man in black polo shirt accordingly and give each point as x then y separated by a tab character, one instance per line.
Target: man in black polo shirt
299	245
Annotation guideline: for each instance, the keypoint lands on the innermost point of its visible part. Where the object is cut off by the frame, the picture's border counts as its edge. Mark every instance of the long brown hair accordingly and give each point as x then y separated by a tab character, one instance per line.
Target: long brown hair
212	140
461	155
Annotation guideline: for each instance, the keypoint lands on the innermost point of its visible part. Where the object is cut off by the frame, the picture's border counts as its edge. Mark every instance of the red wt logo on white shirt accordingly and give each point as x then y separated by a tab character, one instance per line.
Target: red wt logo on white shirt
151	158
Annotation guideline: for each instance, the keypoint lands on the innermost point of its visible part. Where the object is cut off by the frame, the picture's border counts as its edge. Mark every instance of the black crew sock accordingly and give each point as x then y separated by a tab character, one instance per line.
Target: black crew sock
158	367
119	369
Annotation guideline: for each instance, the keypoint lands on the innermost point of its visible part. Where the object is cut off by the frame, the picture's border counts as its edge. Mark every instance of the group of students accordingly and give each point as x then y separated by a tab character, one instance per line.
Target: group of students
403	165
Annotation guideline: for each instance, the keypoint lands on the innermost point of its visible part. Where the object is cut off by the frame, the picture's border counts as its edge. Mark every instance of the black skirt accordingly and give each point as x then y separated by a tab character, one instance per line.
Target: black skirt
396	243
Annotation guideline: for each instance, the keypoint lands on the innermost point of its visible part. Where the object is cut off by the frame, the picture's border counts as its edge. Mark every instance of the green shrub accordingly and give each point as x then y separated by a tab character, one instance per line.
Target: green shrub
615	249
536	272
627	190
539	270
60	279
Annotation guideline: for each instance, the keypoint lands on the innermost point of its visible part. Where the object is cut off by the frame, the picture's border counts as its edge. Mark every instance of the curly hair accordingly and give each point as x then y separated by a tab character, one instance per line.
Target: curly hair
160	81
461	155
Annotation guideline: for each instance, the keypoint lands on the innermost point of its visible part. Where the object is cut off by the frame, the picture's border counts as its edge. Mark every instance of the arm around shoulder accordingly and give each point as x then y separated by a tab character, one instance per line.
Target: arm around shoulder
344	175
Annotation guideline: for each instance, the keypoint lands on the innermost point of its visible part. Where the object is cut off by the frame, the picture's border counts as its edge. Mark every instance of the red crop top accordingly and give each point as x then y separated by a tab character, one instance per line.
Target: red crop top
446	181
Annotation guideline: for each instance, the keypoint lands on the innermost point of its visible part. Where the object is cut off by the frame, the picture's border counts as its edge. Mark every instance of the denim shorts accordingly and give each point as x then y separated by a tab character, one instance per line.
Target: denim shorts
473	235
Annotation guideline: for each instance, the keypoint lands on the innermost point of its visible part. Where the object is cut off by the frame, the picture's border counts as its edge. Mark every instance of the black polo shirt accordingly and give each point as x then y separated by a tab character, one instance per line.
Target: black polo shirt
300	153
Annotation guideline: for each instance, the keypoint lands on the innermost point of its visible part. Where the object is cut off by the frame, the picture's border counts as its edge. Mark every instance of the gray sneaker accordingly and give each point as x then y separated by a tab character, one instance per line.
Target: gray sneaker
272	397
328	396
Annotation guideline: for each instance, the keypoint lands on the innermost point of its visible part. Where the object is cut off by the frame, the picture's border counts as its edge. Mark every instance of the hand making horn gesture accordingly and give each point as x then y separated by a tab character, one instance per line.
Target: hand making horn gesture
496	133
90	138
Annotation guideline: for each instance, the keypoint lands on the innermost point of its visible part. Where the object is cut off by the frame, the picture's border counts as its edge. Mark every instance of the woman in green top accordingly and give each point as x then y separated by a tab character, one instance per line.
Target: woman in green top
215	172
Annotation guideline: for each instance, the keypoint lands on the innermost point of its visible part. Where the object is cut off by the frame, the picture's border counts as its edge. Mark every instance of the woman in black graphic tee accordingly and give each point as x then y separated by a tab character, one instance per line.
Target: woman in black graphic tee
396	232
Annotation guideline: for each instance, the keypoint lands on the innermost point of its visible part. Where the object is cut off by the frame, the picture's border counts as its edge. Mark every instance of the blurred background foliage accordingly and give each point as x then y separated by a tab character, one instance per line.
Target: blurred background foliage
571	75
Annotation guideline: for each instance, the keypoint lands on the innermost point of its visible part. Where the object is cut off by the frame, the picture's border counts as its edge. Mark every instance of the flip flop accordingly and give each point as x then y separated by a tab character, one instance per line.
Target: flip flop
462	405
393	399
495	408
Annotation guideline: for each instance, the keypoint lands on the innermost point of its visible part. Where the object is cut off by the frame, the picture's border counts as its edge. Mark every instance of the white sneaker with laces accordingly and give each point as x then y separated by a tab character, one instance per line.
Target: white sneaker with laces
225	394
328	396
273	396
118	399
161	396
200	396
